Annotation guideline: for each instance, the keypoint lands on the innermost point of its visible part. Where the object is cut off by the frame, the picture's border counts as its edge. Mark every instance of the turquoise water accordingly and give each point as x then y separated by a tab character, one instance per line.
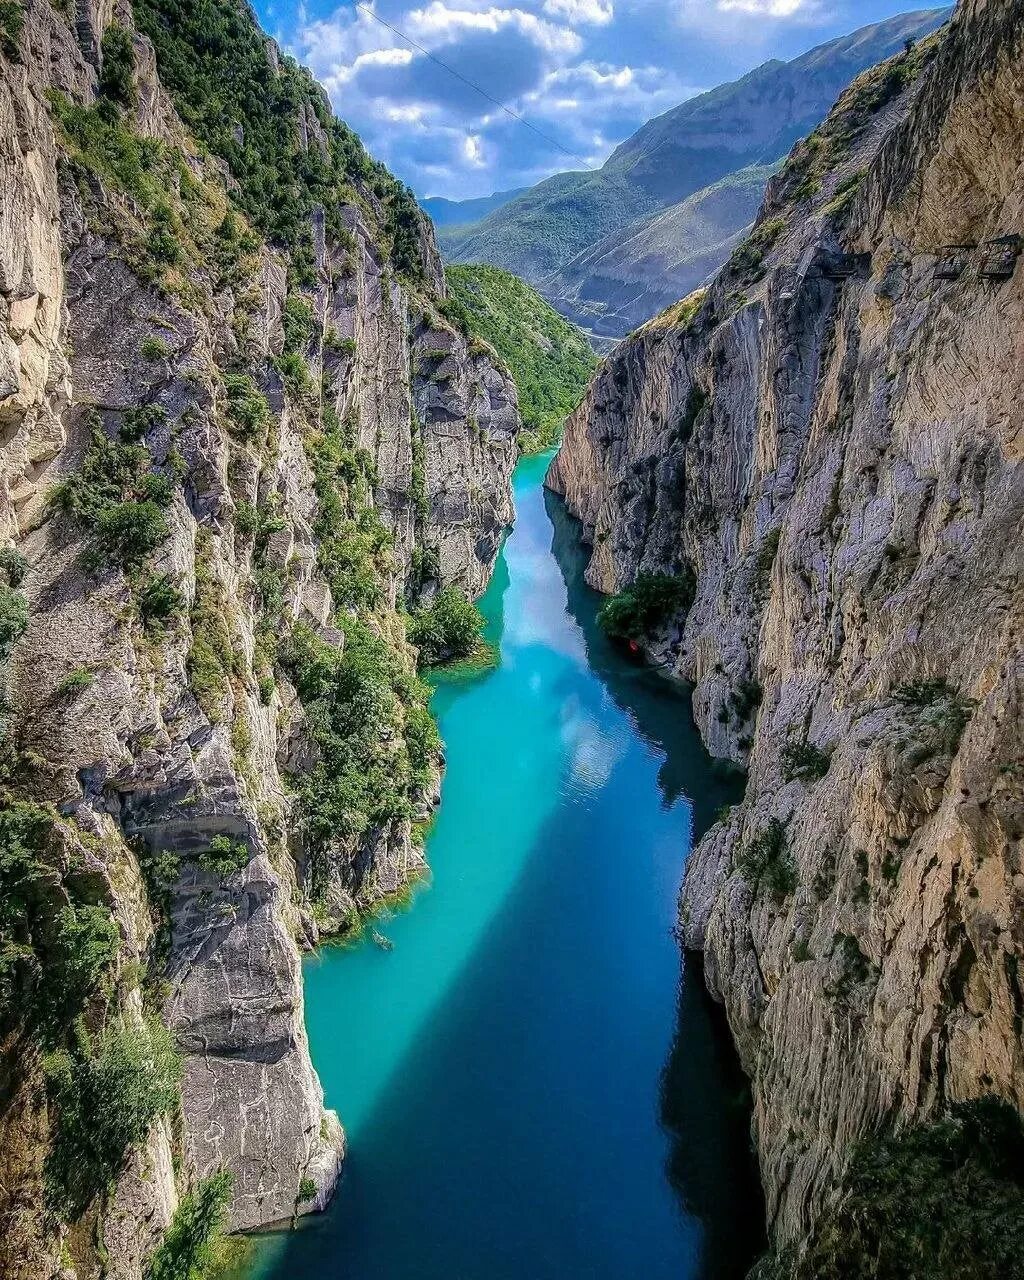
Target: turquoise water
531	1086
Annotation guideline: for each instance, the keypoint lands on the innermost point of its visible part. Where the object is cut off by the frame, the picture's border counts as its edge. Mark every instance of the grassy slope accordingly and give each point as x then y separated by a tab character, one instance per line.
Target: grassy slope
550	359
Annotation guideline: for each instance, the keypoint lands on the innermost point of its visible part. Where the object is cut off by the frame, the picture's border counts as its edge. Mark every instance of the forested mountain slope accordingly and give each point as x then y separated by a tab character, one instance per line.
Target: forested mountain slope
752	121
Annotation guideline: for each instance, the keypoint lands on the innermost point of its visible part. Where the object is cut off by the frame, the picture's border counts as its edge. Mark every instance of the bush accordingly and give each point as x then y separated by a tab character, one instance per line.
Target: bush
191	1247
107	1097
13	565
74	683
12	20
650	601
299	324
745	699
117	73
939	715
447	629
247	410
117	498
225	856
13	620
154	348
766	863
307	1190
211	657
158	601
944	1199
805	761
55	941
366	712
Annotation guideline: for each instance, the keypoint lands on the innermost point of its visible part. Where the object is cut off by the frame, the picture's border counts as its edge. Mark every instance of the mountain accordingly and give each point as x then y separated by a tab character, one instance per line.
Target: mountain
453	213
244	454
752	121
633	274
549	359
821	452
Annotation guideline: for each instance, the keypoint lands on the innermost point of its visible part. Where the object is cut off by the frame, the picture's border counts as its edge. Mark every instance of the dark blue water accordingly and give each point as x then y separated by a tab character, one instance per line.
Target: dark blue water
532	1086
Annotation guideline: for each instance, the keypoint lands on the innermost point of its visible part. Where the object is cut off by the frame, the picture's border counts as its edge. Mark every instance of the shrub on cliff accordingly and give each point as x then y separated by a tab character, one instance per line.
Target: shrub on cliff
943	1200
55	941
193	1245
106	1096
651	600
765	862
448	629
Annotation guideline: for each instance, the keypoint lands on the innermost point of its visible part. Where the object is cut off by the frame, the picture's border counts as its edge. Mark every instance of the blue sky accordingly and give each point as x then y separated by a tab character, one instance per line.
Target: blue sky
585	72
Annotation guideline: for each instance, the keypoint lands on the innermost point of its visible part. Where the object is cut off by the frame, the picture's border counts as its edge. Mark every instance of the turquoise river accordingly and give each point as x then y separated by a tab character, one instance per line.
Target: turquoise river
534	1085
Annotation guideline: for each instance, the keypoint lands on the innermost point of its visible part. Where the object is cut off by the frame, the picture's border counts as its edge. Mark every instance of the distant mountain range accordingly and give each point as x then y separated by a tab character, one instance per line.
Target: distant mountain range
446	213
612	248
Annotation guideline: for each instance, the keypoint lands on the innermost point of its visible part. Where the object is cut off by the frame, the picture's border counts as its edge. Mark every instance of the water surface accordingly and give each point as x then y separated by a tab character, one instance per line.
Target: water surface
532	1087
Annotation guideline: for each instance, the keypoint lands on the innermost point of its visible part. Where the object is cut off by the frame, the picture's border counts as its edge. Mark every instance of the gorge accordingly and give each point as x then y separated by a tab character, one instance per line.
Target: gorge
259	457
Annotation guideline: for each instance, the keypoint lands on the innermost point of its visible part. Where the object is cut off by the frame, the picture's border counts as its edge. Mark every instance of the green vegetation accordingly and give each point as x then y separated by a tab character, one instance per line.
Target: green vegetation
307	1190
117	73
12	20
805	761
826	147
745	698
549	359
248	413
679	315
765	862
747	259
447	629
652	599
937	716
224	856
154	348
157	602
106	1097
376	739
13	565
211	658
214	59
118	499
943	1199
57	938
74	683
194	1247
13	620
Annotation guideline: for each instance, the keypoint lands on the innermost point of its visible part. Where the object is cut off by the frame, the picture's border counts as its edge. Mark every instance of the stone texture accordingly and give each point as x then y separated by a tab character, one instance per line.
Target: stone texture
847	482
133	760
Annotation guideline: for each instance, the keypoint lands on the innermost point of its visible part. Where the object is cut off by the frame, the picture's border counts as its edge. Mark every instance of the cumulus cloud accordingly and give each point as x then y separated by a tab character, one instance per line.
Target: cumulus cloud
584	73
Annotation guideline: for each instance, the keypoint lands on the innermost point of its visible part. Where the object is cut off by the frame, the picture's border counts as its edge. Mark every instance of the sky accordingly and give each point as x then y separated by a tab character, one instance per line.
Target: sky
584	73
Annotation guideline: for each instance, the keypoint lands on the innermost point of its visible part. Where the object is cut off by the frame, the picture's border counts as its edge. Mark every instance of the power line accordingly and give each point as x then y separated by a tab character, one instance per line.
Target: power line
465	80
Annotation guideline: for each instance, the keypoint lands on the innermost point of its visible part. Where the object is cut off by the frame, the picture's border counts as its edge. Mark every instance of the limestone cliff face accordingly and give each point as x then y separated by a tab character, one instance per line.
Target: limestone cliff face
314	449
831	439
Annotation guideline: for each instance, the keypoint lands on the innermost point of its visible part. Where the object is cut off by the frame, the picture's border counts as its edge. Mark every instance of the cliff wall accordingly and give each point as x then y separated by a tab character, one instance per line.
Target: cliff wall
227	459
830	439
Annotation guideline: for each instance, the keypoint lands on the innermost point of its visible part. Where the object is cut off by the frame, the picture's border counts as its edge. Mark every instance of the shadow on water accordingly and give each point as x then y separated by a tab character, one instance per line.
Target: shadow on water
709	1130
640	691
561	1106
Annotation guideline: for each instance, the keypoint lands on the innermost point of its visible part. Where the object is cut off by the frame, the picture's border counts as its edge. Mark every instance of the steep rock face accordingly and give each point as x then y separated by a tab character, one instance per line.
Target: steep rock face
283	467
830	439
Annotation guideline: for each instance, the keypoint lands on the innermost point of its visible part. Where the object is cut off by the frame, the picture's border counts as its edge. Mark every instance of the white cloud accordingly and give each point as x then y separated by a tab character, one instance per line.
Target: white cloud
473	152
597	12
766	8
438	24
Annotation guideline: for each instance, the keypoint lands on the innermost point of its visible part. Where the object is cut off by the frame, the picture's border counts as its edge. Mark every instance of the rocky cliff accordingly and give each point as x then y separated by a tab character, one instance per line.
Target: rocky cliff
238	436
824	450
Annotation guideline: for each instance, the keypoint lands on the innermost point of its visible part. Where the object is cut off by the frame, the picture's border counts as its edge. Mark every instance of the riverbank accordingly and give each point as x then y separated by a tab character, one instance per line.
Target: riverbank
528	1087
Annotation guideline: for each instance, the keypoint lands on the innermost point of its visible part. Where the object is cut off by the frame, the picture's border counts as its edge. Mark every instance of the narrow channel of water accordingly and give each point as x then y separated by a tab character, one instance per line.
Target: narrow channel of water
532	1087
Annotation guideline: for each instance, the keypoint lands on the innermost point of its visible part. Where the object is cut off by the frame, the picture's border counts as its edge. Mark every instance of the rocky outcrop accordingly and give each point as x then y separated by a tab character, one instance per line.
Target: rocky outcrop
226	463
829	439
